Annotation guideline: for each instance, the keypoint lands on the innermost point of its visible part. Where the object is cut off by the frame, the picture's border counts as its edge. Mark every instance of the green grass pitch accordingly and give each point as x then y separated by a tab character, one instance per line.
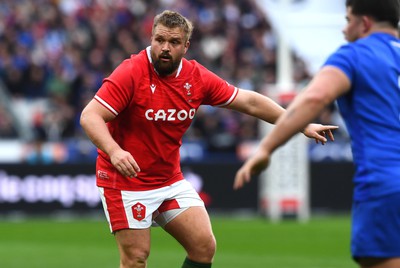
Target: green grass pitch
323	242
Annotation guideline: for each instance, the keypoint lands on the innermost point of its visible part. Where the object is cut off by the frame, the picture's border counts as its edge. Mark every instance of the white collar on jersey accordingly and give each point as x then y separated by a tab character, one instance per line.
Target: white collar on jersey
149	56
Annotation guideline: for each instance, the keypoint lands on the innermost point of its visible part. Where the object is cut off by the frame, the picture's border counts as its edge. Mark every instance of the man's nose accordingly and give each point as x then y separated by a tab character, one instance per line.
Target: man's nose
165	47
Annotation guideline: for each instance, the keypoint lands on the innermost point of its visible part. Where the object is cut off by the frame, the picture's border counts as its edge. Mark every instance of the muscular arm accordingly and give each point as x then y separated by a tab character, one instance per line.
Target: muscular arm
327	85
93	120
266	109
257	105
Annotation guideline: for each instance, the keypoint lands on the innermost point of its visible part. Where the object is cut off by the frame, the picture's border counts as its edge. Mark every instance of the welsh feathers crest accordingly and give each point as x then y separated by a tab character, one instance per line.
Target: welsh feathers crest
187	86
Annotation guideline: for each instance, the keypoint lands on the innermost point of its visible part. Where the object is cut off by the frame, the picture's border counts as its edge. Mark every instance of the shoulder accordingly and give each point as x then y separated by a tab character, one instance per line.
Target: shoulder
140	60
199	71
135	60
134	66
366	44
345	54
365	49
195	64
190	66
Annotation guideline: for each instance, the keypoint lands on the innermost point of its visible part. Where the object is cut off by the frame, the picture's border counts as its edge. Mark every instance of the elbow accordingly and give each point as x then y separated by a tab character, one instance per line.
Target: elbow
317	101
83	119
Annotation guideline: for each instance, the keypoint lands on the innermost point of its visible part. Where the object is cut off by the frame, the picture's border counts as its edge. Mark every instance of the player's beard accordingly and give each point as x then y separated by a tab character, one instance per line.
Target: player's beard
165	68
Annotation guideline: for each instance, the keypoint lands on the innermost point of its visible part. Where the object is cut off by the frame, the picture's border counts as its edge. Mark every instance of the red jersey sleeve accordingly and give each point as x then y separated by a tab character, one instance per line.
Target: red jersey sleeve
218	92
117	90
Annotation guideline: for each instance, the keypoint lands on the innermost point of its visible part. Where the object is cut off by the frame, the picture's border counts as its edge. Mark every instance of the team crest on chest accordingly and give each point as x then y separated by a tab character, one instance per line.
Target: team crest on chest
188	87
139	211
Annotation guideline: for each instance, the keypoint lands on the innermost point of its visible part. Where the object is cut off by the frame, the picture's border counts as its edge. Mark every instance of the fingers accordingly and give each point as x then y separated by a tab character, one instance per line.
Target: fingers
134	167
320	132
125	164
330	134
128	169
131	168
253	166
327	131
320	137
330	127
242	177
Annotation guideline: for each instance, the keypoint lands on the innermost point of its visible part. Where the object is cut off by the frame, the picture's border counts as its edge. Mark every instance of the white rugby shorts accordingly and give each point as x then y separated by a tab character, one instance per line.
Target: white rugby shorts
138	209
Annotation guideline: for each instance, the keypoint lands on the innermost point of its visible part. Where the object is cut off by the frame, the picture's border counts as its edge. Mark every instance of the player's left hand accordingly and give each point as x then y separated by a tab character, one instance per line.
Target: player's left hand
319	132
253	166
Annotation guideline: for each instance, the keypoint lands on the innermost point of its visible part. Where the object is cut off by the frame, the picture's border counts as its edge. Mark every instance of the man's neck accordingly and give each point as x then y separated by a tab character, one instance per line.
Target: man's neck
382	27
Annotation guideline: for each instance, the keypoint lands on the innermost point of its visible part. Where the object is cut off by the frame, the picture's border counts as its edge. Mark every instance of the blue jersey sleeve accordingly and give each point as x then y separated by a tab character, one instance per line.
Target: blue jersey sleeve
345	59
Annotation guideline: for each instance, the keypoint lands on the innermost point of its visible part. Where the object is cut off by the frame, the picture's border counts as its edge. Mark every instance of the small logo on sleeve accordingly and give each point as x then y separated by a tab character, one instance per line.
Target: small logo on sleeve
139	211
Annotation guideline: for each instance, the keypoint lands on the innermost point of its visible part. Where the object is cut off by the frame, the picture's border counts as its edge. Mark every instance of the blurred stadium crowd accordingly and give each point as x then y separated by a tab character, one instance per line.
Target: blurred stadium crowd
55	53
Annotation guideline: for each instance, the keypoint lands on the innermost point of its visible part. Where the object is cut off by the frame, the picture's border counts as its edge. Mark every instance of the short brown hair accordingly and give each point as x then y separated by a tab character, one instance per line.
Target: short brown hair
172	19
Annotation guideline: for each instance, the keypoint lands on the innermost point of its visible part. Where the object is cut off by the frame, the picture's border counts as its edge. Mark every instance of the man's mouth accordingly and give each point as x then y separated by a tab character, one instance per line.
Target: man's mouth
165	58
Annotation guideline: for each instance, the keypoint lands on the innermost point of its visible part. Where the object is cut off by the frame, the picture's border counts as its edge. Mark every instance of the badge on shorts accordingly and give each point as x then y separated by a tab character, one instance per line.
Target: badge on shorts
139	211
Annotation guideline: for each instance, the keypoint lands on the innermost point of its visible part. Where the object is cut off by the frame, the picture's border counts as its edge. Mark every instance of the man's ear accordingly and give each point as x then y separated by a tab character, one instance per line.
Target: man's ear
367	24
187	45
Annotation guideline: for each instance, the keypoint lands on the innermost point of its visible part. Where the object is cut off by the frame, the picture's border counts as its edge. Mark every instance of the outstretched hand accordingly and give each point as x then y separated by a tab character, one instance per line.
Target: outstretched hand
260	160
319	132
253	166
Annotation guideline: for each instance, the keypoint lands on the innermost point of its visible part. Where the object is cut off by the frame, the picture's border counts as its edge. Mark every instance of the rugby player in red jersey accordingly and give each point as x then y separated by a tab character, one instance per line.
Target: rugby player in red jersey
137	120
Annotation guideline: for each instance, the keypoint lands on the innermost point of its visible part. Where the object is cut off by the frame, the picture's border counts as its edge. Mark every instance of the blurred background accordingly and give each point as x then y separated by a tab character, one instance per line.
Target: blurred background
55	53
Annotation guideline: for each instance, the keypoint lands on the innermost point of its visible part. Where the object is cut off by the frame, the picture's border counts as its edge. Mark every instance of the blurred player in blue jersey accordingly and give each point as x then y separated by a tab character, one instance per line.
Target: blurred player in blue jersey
364	77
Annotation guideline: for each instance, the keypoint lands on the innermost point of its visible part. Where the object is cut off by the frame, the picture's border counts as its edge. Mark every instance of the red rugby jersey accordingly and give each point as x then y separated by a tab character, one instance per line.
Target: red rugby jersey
152	115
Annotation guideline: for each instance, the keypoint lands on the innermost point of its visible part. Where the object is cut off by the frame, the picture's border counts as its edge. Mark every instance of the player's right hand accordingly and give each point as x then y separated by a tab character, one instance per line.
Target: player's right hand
124	162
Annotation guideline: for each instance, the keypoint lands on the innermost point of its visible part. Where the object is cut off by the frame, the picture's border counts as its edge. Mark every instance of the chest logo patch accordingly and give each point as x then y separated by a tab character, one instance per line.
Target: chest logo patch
187	86
153	88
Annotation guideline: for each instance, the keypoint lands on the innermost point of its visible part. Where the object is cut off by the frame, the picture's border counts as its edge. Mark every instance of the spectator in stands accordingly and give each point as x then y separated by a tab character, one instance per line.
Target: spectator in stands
7	129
